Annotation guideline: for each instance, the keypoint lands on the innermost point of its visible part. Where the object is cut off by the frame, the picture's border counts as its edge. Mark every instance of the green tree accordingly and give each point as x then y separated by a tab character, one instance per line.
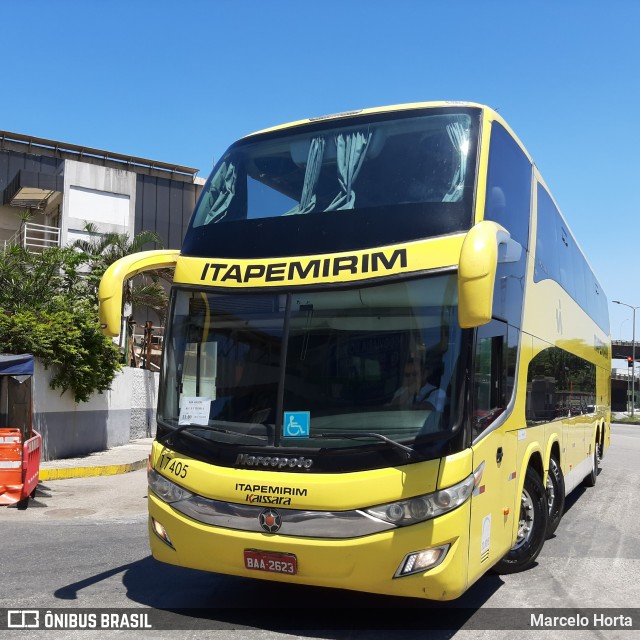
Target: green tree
69	342
46	308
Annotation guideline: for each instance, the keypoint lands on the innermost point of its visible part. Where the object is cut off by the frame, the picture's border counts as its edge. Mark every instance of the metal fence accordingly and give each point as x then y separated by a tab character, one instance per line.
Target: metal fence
35	237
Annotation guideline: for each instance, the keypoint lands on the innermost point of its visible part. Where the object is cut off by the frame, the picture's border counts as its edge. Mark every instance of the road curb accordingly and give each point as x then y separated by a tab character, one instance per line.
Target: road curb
87	472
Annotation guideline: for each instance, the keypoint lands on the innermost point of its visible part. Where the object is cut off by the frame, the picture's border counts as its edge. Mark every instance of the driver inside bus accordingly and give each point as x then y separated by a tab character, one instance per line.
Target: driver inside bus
431	395
406	393
420	387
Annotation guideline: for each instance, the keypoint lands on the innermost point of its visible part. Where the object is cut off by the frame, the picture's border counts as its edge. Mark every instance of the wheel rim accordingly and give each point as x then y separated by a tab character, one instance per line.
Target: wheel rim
527	519
551	492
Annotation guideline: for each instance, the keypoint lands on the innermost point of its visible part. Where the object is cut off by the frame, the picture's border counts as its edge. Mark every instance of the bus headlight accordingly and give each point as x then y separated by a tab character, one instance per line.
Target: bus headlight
165	489
421	561
425	507
161	532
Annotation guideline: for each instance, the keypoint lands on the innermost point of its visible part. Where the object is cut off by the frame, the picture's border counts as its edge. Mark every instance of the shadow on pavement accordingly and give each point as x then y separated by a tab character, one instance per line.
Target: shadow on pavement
201	598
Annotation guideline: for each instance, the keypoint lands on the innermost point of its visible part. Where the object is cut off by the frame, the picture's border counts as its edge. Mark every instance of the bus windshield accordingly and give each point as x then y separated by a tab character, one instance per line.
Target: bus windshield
400	176
344	364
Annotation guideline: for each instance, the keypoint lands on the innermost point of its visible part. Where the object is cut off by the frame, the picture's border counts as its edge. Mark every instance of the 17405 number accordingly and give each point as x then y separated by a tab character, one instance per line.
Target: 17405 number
167	463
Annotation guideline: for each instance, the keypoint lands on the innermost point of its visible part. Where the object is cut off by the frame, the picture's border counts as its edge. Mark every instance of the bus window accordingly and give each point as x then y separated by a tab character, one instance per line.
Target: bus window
494	373
546	260
508	199
546	380
413	169
559	385
558	257
345	356
410	160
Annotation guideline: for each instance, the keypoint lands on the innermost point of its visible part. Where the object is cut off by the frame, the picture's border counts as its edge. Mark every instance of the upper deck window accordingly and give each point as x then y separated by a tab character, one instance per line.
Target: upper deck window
559	258
359	182
508	199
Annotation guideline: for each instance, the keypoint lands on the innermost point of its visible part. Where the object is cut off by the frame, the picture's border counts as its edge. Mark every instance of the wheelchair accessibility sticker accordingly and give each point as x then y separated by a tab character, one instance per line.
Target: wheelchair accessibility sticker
296	424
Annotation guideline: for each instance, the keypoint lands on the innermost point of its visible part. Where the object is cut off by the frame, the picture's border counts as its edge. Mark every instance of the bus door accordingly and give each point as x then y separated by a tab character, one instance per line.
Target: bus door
494	452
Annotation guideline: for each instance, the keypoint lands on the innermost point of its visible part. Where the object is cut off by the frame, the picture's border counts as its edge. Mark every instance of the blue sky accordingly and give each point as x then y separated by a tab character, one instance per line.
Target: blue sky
179	81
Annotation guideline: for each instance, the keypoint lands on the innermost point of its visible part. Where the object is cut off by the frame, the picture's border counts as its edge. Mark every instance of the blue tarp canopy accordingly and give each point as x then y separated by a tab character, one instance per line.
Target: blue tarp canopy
16	365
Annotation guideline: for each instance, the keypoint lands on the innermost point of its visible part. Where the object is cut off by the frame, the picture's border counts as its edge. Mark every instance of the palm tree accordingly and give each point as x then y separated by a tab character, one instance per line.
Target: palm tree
144	290
103	249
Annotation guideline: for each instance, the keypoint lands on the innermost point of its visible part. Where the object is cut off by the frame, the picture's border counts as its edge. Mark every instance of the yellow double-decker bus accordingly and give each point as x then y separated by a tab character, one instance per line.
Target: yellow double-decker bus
386	363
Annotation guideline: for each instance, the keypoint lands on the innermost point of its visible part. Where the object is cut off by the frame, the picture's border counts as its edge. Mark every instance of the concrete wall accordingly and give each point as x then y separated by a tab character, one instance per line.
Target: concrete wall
124	413
101	195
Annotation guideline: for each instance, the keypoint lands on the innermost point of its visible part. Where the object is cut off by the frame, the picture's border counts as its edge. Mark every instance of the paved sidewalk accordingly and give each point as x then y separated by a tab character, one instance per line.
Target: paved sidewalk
122	459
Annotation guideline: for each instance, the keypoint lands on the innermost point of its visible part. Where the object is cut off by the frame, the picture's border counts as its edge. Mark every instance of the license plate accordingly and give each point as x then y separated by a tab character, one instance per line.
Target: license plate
272	562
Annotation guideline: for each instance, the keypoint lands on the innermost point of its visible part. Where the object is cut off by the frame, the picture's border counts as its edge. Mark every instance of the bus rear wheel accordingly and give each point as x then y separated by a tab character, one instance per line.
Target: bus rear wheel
590	480
532	526
555	496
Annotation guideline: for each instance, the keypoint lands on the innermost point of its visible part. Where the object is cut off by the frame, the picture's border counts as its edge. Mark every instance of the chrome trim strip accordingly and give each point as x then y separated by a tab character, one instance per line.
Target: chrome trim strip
295	522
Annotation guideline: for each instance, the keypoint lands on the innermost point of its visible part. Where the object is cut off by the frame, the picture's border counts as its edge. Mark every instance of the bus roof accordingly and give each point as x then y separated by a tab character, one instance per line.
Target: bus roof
386	109
489	113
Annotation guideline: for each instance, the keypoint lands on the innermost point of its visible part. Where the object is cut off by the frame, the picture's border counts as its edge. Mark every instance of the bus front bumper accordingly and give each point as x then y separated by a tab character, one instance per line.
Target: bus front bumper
368	563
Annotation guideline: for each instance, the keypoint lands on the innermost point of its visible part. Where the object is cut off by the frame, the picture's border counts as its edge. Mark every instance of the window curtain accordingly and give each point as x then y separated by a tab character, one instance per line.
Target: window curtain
351	150
221	192
311	175
459	137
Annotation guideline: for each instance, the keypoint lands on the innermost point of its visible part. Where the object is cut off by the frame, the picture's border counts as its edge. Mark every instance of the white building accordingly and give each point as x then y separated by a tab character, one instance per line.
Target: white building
49	190
63	186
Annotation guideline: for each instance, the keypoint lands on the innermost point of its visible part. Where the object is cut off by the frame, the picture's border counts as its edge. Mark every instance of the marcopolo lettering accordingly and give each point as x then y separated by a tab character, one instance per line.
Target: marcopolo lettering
357	264
275	462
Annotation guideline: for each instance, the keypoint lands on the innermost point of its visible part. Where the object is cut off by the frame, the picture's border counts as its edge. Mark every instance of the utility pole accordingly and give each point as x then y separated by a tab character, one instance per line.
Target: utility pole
633	354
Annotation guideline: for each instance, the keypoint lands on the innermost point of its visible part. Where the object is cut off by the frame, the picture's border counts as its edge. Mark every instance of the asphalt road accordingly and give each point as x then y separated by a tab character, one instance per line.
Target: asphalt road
82	544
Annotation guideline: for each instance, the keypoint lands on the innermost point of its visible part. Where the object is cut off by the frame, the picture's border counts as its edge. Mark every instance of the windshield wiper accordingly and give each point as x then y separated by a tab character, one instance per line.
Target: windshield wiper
354	435
167	438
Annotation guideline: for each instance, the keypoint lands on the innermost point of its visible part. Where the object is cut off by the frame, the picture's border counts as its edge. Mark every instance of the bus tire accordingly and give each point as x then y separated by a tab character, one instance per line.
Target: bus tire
590	479
555	496
532	527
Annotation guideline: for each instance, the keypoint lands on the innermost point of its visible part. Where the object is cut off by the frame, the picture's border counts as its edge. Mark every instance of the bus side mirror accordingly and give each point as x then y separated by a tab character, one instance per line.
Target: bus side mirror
486	245
110	290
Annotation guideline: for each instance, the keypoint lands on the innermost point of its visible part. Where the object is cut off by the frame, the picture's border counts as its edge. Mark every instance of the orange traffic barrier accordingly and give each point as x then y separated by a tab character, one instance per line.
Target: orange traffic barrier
20	445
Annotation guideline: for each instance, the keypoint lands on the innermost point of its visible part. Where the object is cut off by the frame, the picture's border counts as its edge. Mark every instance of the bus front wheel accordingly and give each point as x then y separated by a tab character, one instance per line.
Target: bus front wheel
532	526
